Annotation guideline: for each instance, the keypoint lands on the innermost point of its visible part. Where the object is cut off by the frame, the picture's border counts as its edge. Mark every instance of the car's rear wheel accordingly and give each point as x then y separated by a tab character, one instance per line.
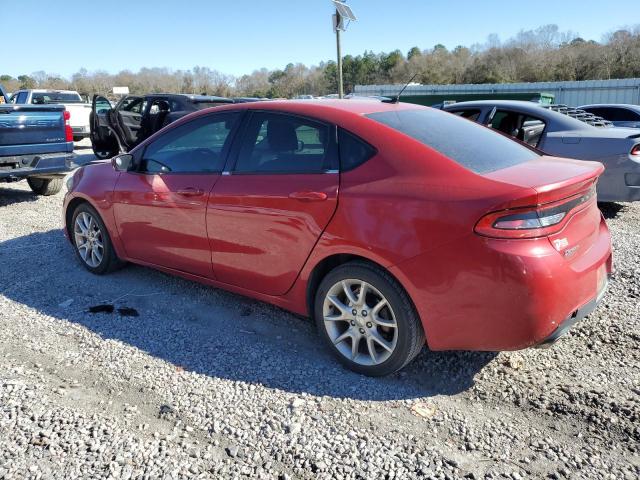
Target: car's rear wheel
367	319
45	186
92	242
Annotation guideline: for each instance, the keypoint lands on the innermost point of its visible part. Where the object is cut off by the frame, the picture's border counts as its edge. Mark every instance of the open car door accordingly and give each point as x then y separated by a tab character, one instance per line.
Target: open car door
103	140
127	120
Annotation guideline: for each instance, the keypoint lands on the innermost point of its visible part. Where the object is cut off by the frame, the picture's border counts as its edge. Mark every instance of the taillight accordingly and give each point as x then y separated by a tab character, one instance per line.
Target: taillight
68	133
636	150
535	221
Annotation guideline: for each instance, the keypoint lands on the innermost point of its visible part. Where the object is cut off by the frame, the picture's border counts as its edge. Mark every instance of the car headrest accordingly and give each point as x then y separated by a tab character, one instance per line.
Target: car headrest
281	135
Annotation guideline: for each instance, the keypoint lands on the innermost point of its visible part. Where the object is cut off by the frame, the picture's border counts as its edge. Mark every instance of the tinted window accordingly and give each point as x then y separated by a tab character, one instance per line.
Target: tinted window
469	144
102	105
197	146
284	144
353	151
55	97
525	128
469	114
20	98
615	114
133	104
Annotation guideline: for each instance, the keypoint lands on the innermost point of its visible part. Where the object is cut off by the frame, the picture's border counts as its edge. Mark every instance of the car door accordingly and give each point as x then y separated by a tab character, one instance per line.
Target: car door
126	119
268	211
160	206
102	137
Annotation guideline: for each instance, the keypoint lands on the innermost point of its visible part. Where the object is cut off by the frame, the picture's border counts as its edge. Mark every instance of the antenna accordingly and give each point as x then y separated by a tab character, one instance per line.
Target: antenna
396	99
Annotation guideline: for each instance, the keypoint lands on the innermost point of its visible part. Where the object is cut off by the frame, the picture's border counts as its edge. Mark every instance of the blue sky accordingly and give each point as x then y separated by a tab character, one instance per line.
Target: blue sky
239	36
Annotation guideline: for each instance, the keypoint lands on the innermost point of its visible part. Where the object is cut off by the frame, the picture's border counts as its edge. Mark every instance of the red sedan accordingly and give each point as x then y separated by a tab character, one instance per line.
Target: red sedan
390	224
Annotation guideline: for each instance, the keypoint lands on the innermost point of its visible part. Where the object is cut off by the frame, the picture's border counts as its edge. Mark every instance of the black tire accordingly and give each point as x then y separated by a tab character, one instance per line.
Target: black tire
78	139
102	154
45	186
410	334
110	261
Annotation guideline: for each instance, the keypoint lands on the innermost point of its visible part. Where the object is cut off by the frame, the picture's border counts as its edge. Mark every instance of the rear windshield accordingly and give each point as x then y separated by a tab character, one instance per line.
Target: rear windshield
53	97
471	145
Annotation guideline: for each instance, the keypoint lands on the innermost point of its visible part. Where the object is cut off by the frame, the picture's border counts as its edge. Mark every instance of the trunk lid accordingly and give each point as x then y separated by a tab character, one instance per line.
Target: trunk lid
566	185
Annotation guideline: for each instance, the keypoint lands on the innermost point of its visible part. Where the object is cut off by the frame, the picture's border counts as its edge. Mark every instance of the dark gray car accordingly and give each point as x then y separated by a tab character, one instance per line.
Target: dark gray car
561	135
621	115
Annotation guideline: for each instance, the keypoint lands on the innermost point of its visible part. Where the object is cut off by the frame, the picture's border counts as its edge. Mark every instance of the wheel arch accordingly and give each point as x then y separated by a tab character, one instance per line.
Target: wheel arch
68	213
327	264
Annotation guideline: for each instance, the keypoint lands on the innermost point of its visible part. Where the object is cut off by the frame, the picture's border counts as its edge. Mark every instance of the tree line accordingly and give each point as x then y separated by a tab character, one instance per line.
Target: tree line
543	54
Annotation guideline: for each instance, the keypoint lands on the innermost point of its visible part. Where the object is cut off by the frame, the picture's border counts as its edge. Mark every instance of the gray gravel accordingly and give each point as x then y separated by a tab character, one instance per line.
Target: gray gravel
207	384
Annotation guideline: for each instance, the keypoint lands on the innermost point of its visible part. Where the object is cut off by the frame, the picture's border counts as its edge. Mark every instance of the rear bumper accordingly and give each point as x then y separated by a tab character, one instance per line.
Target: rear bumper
22	166
575	317
80	131
492	295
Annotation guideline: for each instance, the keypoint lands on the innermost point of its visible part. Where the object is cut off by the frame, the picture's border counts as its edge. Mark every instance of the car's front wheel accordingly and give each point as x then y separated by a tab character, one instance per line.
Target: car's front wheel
367	319
92	242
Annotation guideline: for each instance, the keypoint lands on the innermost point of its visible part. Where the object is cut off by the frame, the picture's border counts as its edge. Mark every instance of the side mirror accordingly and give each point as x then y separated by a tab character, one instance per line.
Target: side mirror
122	163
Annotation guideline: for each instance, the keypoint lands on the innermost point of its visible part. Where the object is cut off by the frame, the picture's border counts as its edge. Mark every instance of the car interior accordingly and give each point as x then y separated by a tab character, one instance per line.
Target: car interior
523	127
129	116
281	143
155	119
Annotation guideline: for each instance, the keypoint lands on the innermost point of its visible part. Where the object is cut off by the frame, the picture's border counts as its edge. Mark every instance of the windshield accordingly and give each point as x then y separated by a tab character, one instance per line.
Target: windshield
55	97
473	146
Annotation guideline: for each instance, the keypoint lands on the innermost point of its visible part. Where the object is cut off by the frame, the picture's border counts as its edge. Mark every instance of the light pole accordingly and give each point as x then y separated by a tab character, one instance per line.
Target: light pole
343	11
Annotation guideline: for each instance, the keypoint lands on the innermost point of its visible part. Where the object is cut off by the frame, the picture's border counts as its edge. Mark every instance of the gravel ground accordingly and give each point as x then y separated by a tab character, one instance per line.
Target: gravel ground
207	384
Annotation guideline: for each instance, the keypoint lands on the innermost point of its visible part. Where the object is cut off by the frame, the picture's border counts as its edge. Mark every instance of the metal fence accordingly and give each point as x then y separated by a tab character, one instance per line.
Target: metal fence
568	93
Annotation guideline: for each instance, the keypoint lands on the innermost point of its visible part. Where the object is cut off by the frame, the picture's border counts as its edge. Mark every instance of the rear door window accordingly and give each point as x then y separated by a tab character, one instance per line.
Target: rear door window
473	114
525	128
280	143
469	144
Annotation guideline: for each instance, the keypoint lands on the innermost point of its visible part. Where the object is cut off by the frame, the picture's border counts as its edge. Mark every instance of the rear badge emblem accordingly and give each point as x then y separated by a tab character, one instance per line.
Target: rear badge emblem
570	251
560	243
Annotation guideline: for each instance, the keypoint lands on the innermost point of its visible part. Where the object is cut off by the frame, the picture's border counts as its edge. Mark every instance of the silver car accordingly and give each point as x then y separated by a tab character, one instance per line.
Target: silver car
568	134
621	115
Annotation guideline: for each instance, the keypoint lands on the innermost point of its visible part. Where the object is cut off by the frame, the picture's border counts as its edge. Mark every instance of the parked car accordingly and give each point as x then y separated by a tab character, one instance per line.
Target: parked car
621	115
71	100
36	144
560	134
385	222
136	117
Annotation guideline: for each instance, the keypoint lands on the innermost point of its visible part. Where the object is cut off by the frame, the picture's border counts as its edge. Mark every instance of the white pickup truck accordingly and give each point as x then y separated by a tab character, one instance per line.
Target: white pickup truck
78	109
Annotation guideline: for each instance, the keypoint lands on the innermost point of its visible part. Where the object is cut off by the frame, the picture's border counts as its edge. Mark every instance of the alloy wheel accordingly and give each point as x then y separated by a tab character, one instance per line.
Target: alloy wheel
88	239
360	322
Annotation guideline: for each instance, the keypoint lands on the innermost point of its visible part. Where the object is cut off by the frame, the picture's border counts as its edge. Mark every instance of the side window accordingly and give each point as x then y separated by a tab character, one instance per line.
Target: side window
20	98
353	151
133	104
280	143
102	105
469	114
624	115
523	127
194	147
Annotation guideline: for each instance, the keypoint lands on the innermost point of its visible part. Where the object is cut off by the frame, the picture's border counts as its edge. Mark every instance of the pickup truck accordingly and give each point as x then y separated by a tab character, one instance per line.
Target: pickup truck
72	101
36	144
